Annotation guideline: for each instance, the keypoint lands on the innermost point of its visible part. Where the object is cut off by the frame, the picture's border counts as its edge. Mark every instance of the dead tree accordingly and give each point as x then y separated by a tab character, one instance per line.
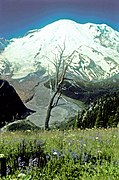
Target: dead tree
61	64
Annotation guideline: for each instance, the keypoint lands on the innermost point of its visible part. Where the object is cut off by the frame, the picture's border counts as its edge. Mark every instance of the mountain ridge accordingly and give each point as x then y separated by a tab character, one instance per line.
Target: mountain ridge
96	50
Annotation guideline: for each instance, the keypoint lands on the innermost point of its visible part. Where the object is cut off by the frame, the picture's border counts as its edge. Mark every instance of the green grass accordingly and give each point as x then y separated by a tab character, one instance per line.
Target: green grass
90	154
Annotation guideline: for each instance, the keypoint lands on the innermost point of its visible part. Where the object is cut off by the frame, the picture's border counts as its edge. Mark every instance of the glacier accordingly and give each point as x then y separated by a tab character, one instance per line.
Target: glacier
95	47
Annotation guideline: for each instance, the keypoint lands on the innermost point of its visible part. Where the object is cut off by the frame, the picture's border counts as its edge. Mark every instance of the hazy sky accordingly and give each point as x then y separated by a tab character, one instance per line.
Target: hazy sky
19	16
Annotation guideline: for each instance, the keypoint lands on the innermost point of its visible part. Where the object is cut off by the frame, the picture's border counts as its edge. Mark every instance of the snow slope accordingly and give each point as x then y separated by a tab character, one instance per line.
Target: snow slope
95	50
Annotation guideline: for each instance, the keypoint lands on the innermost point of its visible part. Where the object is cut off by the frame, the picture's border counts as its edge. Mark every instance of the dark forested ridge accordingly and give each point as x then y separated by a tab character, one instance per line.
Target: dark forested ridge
11	106
104	112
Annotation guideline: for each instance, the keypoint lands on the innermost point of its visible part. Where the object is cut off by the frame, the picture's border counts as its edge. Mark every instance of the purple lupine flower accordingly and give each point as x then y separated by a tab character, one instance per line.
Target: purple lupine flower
73	155
81	142
19	159
30	162
8	170
35	162
47	157
85	157
21	163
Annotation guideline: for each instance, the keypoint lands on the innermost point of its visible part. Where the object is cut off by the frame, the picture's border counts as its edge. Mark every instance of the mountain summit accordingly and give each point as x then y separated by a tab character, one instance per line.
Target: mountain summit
95	47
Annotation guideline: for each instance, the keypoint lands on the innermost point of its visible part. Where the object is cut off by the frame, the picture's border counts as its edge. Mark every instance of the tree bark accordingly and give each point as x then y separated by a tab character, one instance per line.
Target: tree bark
50	106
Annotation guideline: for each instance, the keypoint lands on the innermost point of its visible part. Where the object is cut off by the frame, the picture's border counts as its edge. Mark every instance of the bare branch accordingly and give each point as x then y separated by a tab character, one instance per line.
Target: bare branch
62	49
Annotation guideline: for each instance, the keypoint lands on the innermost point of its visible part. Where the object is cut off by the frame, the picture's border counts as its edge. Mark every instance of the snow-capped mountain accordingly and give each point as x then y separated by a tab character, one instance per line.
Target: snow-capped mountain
3	44
94	49
4	64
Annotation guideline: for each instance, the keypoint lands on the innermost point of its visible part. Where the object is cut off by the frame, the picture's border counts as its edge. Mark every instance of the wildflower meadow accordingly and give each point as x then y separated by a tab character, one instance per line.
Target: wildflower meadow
61	155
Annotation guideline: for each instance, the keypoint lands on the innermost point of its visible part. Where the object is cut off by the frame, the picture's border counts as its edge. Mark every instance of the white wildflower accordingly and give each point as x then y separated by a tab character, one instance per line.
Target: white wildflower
97	138
55	153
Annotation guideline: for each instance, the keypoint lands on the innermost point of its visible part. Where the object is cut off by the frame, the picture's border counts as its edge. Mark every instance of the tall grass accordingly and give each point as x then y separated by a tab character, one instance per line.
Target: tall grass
62	155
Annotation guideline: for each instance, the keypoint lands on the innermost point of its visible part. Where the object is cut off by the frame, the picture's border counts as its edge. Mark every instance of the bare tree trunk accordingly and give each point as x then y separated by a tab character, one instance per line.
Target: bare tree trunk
48	117
50	107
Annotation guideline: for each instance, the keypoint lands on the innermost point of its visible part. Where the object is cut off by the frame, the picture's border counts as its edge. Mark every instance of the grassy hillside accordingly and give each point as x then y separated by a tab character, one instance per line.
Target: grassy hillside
62	155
